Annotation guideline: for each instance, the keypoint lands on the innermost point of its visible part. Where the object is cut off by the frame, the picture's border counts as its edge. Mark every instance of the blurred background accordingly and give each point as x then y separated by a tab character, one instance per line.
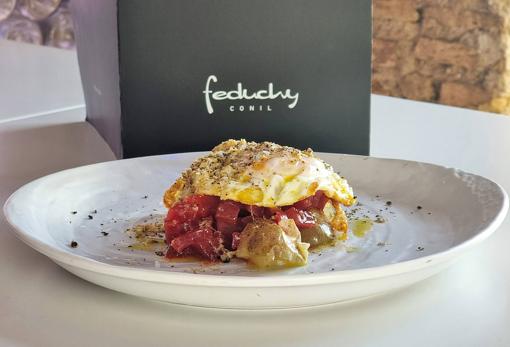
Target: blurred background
40	22
443	51
446	51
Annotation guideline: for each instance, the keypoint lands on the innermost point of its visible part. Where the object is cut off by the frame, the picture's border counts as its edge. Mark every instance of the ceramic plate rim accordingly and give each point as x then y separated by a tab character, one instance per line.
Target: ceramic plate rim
60	255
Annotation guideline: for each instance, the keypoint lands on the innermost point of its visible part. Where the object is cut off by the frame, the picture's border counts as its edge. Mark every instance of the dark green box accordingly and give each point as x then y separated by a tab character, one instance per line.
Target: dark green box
164	76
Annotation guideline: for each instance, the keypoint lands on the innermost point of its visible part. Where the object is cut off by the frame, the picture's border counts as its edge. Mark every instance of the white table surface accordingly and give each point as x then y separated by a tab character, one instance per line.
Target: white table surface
35	80
43	305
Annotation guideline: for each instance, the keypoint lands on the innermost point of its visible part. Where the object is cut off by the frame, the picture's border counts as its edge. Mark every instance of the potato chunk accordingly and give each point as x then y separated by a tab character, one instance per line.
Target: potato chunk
320	234
266	244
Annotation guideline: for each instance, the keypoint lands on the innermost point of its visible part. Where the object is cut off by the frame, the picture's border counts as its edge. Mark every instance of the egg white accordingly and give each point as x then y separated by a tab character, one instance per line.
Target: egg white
262	174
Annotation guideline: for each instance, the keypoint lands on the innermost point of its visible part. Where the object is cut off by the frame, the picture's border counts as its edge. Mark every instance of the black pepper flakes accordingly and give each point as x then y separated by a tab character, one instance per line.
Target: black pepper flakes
93	212
145	197
90	217
419	248
73	244
388	203
159	253
419	207
104	233
74	212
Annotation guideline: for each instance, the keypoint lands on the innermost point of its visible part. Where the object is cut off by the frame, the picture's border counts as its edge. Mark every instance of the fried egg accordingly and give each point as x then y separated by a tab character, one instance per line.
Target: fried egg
262	174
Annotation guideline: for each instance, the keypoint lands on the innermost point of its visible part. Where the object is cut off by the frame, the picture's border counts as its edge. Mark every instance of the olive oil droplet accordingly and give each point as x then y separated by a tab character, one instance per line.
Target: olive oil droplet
360	227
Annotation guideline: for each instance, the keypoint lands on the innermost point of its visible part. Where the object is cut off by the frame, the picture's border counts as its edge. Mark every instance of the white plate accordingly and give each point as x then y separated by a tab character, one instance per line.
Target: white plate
458	210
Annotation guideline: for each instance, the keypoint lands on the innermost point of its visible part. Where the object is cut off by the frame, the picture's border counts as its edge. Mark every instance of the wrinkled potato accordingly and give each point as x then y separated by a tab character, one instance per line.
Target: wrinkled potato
320	234
269	245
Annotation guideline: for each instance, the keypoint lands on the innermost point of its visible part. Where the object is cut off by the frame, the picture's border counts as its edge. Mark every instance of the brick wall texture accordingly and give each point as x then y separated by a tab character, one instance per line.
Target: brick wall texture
454	52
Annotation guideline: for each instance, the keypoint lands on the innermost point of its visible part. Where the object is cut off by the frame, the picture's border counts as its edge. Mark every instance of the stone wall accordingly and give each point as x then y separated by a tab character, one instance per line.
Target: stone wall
454	52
